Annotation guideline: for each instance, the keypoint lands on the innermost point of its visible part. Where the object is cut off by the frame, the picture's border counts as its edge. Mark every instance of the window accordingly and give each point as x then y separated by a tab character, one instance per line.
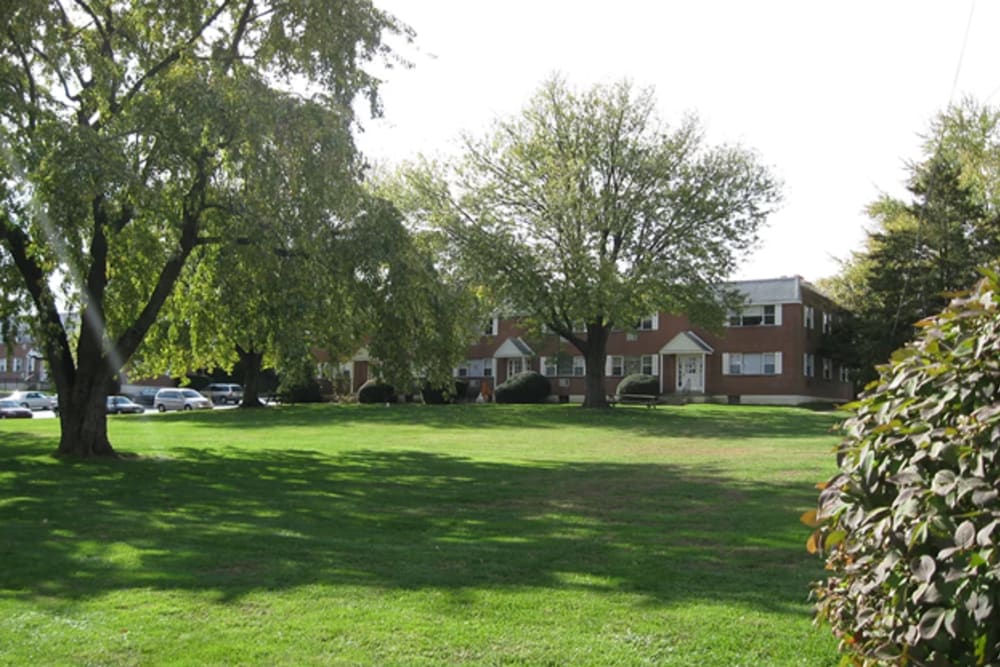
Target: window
491	327
3	364
619	365
18	364
515	366
827	368
648	323
752	316
475	368
827	322
563	365
808	317
808	364
845	374
752	363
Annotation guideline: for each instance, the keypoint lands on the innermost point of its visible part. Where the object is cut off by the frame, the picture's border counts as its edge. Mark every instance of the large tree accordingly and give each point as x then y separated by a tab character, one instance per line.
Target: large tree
586	209
923	249
127	128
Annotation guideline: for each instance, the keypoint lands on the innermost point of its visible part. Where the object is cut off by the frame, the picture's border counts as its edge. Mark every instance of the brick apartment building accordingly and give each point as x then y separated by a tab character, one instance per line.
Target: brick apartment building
769	352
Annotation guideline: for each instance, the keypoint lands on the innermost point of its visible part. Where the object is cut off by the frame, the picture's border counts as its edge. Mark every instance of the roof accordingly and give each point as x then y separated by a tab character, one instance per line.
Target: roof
687	342
513	347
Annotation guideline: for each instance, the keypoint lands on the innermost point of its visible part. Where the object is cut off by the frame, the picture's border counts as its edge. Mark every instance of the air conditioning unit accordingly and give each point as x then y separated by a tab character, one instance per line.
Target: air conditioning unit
563	382
631	337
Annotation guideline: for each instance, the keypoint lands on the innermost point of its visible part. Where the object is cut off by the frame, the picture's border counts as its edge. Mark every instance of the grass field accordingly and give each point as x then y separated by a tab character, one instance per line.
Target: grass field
417	535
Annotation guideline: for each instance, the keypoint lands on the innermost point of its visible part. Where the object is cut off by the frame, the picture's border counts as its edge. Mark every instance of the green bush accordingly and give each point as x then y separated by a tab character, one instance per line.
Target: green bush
437	395
637	383
374	391
909	526
526	387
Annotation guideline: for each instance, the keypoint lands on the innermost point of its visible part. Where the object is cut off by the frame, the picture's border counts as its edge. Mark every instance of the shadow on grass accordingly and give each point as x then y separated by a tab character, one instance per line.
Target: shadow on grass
693	421
246	521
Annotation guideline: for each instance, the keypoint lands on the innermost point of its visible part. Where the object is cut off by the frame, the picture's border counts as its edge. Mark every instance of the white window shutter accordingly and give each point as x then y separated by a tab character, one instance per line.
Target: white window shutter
777	314
656	327
725	363
541	365
656	359
607	366
777	363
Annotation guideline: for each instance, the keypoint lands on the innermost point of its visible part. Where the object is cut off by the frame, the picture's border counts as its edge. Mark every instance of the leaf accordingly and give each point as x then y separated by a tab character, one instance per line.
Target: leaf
944	482
923	568
965	535
812	544
809	518
930	622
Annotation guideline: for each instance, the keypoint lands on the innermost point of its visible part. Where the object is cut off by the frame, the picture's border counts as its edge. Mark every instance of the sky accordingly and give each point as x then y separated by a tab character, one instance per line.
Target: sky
835	97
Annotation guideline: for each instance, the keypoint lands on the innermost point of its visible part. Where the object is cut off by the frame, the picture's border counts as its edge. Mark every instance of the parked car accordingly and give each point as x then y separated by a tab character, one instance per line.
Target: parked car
180	399
34	400
13	410
118	405
145	396
222	393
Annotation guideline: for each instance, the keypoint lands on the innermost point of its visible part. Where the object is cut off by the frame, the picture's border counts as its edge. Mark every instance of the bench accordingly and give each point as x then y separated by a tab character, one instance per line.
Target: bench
639	399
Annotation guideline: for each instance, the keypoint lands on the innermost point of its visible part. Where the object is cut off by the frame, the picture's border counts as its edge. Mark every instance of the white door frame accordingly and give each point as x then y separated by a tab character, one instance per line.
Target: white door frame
698	374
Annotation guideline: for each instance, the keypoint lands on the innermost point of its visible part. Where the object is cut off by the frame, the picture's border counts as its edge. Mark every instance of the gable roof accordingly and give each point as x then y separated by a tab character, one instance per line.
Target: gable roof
513	347
686	342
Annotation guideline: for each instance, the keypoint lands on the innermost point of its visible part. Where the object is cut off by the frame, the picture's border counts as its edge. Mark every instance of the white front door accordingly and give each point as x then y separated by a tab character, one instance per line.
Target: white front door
514	366
690	372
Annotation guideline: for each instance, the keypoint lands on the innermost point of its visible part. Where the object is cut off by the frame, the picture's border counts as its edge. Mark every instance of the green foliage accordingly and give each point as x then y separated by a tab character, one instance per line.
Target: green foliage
375	391
923	250
590	209
909	526
138	136
526	387
638	383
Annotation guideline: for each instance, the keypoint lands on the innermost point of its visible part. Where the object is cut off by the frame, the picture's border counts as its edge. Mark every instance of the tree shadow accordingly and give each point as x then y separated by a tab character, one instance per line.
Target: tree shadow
691	421
236	522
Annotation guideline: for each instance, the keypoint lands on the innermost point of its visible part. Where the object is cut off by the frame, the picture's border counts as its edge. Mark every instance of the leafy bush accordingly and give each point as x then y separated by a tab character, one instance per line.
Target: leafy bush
909	526
526	387
307	391
437	395
636	383
374	391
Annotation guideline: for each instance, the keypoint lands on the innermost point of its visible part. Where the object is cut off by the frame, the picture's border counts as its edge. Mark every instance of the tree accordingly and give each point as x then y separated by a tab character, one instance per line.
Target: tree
923	250
587	209
127	129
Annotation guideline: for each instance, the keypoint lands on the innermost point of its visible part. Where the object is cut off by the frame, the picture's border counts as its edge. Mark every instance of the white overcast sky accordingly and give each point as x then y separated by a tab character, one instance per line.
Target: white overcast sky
834	96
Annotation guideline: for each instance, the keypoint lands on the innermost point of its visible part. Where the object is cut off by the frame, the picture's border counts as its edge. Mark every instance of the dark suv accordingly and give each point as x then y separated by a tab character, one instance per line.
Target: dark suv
222	393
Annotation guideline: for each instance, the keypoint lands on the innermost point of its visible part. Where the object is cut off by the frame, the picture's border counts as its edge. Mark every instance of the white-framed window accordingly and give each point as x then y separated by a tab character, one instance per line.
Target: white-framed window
31	364
650	323
18	364
845	374
827	322
751	363
491	327
827	368
808	364
622	365
515	366
753	316
3	364
563	365
475	368
808	317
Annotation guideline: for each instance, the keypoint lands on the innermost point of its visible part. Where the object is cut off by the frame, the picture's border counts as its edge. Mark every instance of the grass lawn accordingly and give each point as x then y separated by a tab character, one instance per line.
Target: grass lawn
417	535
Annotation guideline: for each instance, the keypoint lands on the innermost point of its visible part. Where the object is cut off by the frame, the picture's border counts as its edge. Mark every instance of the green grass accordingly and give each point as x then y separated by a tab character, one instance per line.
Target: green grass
417	535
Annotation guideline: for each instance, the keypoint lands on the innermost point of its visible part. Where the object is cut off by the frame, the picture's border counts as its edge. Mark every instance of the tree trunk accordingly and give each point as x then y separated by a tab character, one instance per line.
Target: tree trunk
595	353
251	361
83	418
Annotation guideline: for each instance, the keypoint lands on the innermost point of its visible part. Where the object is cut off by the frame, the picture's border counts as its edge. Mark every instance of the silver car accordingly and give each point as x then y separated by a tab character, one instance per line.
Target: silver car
180	399
34	400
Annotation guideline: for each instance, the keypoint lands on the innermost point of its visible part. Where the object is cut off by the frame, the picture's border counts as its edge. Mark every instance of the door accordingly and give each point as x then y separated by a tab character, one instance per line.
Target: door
690	372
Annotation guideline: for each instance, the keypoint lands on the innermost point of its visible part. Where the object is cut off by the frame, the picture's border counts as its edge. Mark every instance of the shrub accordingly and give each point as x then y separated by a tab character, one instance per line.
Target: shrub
303	392
437	395
526	387
909	526
374	391
637	383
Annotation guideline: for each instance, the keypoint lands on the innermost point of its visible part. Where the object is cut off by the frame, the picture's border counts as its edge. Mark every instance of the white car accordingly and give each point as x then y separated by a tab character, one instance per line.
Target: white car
180	399
34	400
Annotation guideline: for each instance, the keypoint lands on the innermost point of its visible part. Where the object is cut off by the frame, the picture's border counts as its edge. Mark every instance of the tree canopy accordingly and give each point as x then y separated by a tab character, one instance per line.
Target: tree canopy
921	251
135	135
587	208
